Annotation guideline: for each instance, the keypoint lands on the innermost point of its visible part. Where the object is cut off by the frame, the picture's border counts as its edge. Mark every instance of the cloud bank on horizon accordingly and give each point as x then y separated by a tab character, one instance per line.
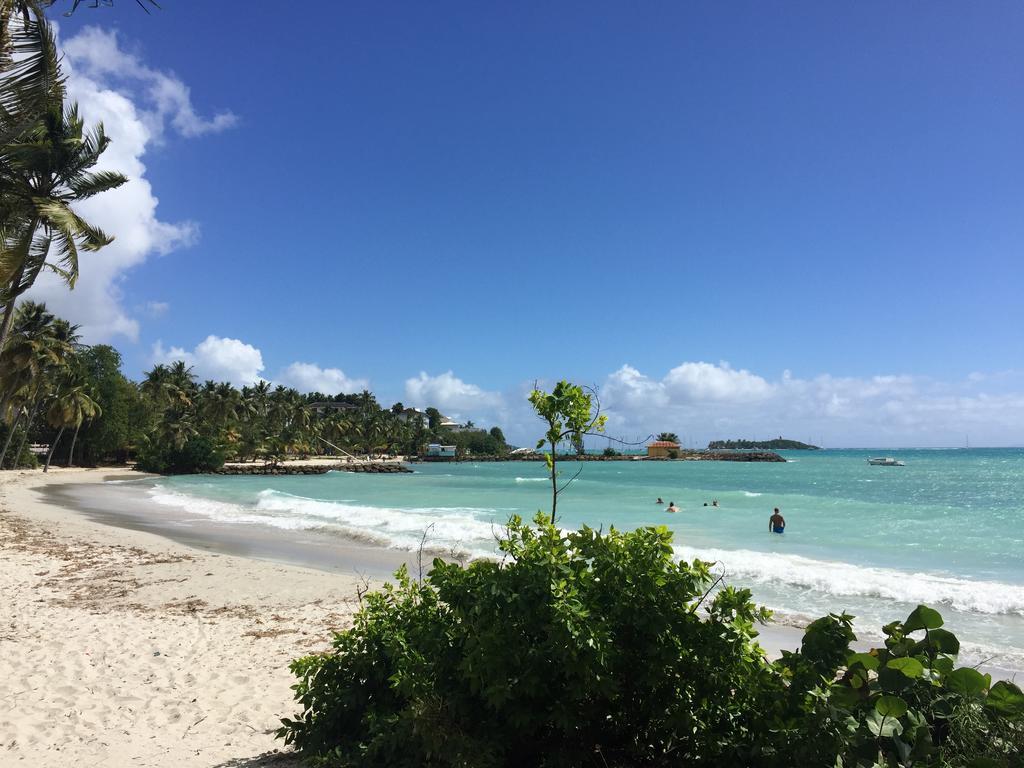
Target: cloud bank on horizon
698	400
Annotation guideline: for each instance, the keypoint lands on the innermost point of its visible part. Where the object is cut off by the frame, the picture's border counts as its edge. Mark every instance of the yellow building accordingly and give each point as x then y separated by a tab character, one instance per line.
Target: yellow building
662	449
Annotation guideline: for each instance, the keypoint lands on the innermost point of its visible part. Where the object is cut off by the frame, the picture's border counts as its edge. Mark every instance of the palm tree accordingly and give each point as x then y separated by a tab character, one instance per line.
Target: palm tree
40	346
63	343
70	406
170	386
46	161
668	437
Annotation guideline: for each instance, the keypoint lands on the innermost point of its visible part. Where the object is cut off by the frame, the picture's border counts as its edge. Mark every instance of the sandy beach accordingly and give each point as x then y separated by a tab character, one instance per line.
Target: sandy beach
119	647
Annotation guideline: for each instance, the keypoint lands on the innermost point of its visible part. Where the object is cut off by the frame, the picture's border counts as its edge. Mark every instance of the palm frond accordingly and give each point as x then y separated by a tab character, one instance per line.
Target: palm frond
89	184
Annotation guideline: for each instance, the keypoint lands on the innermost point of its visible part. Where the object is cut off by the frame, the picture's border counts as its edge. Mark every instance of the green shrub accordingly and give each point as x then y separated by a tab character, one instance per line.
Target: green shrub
905	704
197	455
579	648
590	649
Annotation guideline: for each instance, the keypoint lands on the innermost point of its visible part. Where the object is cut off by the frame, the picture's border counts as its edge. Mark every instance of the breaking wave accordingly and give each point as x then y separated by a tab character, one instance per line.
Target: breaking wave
465	528
746	567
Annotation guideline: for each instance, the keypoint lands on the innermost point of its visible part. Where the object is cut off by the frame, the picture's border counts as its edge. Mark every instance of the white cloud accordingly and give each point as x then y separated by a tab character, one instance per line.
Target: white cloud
157	308
134	103
309	377
453	396
703	381
217	358
702	401
96	54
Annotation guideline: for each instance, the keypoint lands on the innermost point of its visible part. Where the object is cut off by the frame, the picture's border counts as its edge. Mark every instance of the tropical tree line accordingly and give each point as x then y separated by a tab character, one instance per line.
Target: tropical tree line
75	399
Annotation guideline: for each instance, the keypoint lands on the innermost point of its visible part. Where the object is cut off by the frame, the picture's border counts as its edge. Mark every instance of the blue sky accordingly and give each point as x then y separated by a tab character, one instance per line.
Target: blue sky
537	191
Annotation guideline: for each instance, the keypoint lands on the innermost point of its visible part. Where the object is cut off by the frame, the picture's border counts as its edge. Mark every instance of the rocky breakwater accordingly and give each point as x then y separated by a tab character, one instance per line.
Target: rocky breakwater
741	456
380	468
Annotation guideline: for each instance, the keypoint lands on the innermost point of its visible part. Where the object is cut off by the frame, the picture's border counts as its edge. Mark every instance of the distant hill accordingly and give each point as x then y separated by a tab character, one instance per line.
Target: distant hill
761	445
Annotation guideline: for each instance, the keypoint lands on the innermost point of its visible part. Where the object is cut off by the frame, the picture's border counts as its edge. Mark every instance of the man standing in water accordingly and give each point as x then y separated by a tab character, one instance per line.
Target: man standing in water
776	523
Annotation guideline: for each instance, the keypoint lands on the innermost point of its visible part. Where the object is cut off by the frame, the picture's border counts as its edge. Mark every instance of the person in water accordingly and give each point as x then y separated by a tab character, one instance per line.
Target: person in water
659	501
714	502
776	523
672	507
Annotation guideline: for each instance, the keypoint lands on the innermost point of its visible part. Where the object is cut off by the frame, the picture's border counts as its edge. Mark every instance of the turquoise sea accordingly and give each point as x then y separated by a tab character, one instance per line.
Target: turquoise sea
946	529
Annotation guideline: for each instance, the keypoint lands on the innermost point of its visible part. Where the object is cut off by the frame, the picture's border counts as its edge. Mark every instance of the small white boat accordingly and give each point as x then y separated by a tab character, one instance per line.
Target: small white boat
885	461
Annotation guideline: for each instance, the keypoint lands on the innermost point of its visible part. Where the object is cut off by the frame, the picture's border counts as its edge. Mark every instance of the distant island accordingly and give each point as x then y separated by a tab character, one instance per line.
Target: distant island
762	445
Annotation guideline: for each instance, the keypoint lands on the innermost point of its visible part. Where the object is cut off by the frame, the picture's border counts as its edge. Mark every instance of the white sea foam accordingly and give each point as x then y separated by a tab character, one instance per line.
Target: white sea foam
474	529
466	528
745	567
532	479
752	495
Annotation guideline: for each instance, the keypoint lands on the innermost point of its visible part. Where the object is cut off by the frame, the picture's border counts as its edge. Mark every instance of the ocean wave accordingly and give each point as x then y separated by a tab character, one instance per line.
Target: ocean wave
464	529
532	479
746	567
752	495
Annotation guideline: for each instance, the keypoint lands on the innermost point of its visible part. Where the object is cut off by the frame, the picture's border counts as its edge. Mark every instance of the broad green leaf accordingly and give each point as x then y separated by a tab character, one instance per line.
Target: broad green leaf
940	640
892	680
866	660
880	725
922	617
967	681
908	666
1006	699
891	706
844	698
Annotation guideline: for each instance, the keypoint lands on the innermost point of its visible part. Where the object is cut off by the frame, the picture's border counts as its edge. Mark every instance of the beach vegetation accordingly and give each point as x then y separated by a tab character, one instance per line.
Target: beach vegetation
570	412
668	437
39	371
196	454
589	648
76	400
576	648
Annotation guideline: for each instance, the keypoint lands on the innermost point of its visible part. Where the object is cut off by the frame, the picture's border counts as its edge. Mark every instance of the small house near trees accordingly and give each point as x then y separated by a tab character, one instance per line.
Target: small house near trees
662	449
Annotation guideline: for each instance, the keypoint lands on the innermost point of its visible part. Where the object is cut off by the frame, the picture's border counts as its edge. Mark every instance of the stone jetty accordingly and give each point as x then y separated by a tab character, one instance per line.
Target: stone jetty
380	468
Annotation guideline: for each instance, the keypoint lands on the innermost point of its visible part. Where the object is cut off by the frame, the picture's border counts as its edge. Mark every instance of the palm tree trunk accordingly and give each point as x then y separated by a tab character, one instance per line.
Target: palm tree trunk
28	428
10	434
52	449
71	453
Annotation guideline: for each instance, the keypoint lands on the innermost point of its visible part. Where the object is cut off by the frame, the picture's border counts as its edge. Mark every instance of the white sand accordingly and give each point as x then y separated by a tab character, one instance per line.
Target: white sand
121	648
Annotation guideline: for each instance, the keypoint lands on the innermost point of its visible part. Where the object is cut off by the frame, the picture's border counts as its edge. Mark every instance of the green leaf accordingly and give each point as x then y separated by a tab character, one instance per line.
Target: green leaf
866	660
922	617
880	725
893	680
891	706
944	641
908	666
844	698
1006	699
967	682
